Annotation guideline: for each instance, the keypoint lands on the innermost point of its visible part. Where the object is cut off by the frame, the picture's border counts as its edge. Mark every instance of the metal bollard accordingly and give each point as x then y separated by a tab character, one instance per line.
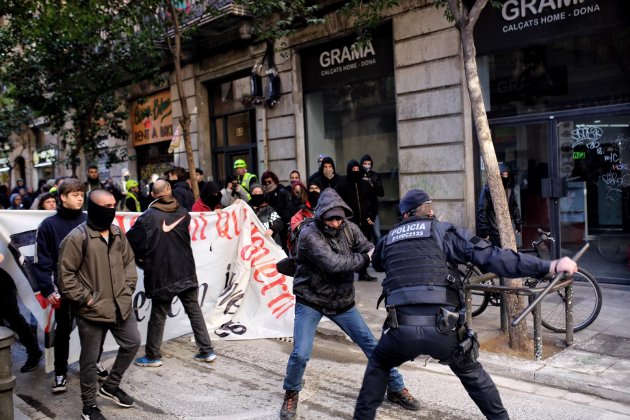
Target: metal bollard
7	380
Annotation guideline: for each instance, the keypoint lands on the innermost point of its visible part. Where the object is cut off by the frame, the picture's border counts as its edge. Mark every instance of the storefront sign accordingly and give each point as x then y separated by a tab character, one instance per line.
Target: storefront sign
152	119
343	60
44	157
518	23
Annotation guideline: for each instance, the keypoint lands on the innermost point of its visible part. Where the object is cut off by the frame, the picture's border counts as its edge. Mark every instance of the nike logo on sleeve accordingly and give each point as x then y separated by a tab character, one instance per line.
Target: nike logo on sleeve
167	228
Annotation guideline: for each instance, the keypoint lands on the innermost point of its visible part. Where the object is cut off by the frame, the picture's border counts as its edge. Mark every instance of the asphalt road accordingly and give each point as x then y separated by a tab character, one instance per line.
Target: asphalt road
246	383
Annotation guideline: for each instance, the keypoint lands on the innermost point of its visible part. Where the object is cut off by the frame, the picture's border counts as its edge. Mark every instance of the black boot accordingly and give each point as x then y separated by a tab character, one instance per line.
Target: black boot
32	361
289	406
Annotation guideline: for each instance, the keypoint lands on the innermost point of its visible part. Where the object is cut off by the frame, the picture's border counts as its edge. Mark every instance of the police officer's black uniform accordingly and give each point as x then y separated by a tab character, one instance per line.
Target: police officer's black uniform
425	305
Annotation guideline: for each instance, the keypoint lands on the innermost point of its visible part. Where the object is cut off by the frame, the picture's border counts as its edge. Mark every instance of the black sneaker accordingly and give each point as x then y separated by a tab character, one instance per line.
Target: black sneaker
289	406
404	399
117	395
367	277
92	413
60	384
101	372
32	361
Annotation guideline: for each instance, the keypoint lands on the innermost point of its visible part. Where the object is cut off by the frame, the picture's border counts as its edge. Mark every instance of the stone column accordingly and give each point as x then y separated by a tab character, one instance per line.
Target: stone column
7	380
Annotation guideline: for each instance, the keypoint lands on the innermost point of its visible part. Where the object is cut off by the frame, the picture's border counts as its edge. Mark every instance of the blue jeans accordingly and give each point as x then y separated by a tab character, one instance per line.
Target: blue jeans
304	328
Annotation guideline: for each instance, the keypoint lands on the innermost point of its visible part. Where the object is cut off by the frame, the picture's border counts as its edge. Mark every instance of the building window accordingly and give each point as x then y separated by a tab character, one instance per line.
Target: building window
233	127
569	73
350	109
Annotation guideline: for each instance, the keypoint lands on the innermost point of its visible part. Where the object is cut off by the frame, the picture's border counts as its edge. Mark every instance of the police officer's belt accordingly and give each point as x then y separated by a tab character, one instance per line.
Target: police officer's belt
416	319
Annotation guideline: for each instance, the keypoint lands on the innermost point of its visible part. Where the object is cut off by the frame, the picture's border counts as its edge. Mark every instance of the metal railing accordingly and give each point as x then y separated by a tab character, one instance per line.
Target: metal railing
533	293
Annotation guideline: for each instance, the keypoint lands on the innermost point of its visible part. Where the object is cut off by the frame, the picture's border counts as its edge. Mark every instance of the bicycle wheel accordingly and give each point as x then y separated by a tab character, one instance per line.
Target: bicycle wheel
587	302
480	299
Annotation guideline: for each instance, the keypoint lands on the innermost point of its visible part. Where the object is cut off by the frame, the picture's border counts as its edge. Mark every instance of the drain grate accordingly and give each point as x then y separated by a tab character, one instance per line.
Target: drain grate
609	345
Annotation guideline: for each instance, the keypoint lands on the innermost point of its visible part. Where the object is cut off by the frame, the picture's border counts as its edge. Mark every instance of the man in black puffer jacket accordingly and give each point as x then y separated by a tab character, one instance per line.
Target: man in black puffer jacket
330	249
161	243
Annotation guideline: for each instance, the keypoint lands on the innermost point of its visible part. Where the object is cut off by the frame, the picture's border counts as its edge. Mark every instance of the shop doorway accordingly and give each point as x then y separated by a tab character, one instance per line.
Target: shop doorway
571	176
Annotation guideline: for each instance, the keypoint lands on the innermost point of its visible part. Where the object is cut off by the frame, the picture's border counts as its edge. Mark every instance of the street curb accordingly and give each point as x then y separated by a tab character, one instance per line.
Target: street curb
544	374
526	370
23	411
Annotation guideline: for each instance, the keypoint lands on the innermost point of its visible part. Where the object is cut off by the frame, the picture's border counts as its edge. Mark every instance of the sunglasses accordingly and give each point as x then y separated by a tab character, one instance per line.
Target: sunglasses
333	218
268	182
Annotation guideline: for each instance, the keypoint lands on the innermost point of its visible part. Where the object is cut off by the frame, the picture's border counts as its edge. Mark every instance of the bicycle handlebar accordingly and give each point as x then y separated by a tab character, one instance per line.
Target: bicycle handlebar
547	289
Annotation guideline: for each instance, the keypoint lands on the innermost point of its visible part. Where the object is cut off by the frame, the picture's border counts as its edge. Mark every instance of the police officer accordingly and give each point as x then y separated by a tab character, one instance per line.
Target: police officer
424	300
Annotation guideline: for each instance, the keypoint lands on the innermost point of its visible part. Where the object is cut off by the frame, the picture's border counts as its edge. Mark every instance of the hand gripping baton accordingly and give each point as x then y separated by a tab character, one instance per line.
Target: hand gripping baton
547	289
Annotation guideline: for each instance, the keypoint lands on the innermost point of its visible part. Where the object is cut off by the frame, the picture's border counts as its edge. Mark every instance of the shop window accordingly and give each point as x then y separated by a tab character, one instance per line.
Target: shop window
349	121
570	73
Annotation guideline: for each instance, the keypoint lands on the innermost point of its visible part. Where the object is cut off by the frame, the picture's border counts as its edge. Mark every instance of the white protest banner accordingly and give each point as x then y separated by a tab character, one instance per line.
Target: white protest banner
241	293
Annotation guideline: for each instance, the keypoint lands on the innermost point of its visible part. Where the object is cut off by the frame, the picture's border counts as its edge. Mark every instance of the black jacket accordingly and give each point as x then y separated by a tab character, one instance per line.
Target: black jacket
373	178
161	242
50	233
270	219
356	193
487	219
460	246
280	200
326	261
184	195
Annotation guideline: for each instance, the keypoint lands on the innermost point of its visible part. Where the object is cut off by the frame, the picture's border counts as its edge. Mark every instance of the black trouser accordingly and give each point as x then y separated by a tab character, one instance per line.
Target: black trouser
127	336
399	345
64	318
159	311
10	312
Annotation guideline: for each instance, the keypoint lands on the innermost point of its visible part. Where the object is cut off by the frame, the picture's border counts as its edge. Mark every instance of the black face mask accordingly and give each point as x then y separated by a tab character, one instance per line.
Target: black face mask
331	231
506	181
313	198
354	176
212	200
257	200
99	218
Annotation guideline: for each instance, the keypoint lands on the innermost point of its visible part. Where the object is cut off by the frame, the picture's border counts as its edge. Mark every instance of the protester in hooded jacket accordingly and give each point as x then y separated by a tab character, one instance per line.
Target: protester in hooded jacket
160	239
209	199
280	199
183	194
355	192
16	202
487	227
327	174
374	180
330	250
267	215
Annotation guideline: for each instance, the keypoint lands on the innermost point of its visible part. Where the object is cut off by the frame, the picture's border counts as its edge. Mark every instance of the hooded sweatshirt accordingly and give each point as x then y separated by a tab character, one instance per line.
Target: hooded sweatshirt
327	259
161	242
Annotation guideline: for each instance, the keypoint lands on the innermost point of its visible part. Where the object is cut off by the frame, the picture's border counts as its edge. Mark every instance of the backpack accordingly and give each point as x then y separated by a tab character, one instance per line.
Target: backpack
294	235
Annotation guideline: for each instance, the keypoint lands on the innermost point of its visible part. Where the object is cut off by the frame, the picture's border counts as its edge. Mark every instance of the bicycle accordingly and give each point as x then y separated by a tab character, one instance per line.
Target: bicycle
587	295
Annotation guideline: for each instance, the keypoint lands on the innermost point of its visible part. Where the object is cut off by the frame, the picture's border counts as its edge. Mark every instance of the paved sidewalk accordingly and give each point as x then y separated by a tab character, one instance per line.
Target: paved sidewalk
598	362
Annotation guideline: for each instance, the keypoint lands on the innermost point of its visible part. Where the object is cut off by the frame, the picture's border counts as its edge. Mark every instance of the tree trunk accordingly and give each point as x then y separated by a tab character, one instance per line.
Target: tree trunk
184	121
517	335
